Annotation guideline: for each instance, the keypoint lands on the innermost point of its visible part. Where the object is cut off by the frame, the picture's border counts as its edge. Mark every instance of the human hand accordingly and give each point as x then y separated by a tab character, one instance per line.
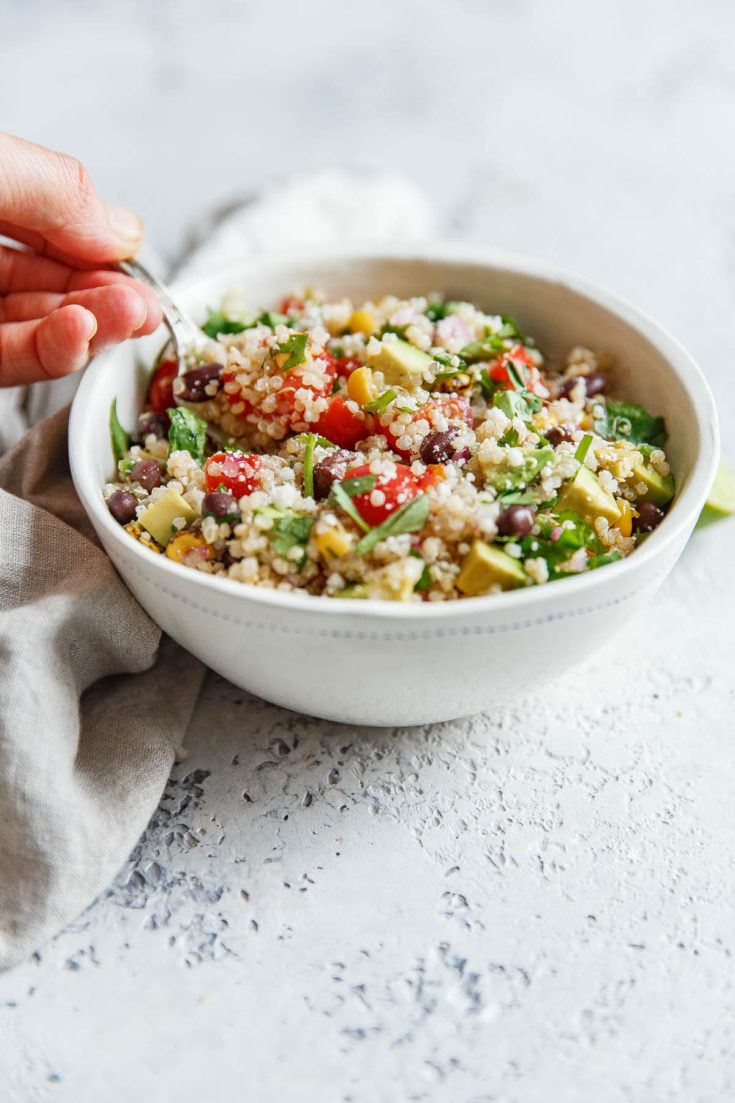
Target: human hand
59	304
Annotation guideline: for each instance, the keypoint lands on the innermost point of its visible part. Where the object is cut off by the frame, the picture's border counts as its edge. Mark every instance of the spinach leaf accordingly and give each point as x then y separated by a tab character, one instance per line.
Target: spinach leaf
119	438
411	517
188	433
628	421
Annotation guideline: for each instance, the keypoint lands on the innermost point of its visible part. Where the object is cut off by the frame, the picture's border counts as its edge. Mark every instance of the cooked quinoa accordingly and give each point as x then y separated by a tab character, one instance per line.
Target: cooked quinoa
405	449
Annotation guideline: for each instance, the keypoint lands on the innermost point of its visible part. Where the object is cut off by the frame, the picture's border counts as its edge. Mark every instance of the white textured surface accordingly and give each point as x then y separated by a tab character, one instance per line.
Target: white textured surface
530	906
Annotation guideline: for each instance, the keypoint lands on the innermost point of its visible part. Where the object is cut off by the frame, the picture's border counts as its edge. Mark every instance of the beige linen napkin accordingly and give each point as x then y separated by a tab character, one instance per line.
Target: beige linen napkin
90	706
85	744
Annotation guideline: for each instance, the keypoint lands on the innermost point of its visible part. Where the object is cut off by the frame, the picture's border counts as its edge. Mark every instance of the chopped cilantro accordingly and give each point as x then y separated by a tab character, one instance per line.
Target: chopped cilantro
218	323
379	404
437	310
411	517
295	345
272	319
119	437
291	530
188	433
628	421
509	439
485	349
514	404
425	580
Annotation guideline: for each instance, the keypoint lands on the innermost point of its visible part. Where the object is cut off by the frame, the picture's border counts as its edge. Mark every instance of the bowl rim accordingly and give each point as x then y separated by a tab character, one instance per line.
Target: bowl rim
680	520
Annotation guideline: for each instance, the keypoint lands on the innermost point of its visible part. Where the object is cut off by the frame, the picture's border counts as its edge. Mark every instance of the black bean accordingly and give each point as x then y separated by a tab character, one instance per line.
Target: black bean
649	517
438	447
516	521
557	434
122	505
148	423
147	473
220	505
193	384
331	469
595	383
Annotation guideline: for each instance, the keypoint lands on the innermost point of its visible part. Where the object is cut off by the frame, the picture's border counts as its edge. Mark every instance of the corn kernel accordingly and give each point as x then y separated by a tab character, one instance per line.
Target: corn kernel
360	386
625	524
333	542
182	544
361	321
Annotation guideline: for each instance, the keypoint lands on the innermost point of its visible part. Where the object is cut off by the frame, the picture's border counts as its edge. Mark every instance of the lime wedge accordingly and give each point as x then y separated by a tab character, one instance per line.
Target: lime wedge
721	498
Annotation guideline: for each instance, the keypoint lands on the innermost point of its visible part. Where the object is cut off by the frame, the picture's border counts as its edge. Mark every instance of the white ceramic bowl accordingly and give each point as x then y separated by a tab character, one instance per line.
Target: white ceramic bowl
375	662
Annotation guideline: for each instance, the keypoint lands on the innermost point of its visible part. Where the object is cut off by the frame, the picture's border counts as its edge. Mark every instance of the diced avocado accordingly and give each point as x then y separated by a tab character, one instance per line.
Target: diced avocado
585	496
485	566
659	488
721	498
401	364
511	478
159	518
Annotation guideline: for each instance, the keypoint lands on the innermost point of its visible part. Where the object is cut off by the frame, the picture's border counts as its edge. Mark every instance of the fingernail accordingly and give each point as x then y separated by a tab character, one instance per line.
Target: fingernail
126	224
91	322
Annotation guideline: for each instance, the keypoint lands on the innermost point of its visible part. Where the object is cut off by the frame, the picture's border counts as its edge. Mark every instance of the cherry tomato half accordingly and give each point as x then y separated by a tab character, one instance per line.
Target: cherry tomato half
238	471
397	489
342	425
522	361
161	386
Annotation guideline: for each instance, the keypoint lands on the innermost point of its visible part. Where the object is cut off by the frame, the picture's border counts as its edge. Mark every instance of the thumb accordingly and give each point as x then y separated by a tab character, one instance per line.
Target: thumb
51	194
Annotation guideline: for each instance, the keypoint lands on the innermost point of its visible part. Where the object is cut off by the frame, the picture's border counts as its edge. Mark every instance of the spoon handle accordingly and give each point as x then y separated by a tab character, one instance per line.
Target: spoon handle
186	335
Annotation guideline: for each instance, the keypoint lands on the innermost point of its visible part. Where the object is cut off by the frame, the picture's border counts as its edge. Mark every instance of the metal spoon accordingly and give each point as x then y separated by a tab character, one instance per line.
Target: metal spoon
188	339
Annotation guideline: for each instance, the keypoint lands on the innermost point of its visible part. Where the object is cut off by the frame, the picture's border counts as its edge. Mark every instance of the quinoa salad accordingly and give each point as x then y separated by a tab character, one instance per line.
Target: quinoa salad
403	449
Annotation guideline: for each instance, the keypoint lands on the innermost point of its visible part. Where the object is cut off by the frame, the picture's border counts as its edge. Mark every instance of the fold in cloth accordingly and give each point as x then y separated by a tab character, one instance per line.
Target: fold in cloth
85	747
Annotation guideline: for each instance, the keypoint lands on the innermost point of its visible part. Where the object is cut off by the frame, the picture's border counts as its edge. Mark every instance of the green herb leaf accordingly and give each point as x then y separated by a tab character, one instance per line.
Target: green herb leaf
290	530
218	323
379	404
188	433
272	319
509	439
321	441
119	437
400	331
411	517
296	346
309	464
437	310
596	561
628	421
344	490
487	348
511	330
425	580
583	448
